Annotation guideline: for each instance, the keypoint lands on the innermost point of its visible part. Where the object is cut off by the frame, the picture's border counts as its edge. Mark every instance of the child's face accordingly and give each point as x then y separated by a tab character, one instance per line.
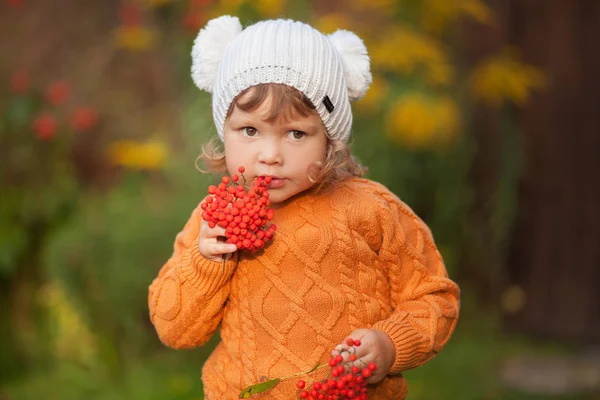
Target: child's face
283	149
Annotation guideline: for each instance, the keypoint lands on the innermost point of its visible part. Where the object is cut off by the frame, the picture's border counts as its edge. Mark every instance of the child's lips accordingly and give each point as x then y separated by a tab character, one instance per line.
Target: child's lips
276	183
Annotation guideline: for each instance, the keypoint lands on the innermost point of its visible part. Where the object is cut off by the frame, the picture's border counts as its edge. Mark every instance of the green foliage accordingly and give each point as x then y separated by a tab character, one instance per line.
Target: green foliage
113	247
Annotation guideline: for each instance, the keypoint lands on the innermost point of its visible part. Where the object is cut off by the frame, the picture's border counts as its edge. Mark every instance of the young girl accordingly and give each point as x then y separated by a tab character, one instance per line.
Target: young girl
349	259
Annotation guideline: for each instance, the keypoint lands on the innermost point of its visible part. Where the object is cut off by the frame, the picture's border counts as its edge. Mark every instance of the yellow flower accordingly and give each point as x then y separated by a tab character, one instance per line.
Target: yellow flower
438	15
223	7
127	153
332	22
71	337
477	10
134	38
504	78
420	121
404	51
375	96
269	8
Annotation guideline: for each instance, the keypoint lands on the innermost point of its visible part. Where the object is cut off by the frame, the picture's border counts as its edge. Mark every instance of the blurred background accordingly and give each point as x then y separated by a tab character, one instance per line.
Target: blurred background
483	116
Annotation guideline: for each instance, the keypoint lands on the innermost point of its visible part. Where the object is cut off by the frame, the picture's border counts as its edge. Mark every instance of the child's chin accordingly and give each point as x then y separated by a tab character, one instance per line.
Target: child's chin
277	196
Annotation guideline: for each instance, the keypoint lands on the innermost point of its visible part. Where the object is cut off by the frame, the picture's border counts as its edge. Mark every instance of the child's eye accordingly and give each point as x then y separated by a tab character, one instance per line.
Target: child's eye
296	135
249	131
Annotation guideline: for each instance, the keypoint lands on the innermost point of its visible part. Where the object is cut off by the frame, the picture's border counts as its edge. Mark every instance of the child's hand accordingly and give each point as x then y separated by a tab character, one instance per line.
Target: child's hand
375	347
211	243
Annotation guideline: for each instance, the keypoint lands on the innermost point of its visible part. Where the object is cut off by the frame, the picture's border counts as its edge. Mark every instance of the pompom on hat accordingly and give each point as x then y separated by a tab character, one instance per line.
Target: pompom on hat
331	70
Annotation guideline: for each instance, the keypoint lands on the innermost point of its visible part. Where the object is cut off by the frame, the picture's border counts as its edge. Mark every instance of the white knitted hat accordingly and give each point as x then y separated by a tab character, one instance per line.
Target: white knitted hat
330	70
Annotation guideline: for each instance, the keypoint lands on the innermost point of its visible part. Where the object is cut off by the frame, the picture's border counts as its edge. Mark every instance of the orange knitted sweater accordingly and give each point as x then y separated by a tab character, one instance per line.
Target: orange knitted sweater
348	258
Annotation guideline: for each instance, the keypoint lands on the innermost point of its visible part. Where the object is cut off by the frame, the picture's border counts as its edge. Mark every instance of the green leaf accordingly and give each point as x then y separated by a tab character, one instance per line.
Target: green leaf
20	111
258	388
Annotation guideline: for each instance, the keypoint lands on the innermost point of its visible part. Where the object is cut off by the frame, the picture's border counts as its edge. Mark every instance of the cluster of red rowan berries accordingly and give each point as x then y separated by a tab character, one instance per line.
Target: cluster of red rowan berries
344	382
243	214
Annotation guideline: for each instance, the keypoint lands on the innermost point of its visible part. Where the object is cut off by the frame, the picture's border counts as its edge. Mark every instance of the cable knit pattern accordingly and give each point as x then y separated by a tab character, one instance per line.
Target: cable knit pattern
352	257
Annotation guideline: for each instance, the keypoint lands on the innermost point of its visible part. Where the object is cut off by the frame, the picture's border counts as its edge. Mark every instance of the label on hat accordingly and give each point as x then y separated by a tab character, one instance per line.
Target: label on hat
328	104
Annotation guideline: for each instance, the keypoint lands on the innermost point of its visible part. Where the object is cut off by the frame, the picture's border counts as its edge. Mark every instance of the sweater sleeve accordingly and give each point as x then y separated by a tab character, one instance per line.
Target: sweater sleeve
425	302
186	299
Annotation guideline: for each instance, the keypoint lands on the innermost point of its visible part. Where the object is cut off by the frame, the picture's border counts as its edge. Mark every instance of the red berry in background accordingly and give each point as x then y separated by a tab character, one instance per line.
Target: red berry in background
45	126
193	20
19	82
129	14
84	119
58	92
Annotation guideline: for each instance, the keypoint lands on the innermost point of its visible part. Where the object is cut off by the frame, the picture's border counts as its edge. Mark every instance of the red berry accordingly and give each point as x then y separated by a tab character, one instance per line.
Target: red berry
353	357
349	342
58	92
45	126
366	372
225	180
339	358
357	343
372	366
129	14
84	119
241	170
300	384
304	394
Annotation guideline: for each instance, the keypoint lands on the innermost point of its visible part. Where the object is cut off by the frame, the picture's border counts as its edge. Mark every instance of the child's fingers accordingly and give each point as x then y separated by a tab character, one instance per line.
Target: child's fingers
215	232
222	248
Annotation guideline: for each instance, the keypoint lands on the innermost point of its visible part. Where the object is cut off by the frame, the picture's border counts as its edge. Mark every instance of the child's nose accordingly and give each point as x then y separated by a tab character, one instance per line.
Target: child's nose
270	152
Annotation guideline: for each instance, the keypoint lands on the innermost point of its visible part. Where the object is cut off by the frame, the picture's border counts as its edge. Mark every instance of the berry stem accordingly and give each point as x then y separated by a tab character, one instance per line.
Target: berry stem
304	372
